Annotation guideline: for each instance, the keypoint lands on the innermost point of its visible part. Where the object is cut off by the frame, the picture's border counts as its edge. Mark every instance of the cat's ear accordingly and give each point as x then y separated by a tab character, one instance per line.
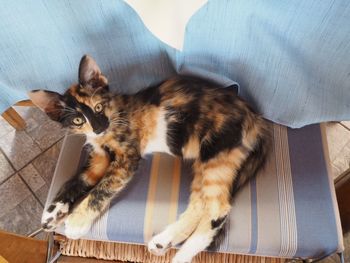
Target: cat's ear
48	101
90	73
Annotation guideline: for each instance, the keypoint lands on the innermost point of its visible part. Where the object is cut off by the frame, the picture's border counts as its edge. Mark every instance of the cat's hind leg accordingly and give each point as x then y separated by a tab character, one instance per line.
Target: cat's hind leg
219	174
180	230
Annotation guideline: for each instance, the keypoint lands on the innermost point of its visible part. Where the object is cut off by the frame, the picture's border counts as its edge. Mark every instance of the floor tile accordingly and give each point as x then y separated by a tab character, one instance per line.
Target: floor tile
339	147
5	127
31	176
5	168
41	193
337	137
341	163
24	218
42	236
19	148
45	163
335	258
40	127
47	134
346	124
332	259
33	116
13	192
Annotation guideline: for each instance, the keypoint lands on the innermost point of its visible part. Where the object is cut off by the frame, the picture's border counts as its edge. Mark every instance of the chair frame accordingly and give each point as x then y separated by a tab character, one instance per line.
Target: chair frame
13	118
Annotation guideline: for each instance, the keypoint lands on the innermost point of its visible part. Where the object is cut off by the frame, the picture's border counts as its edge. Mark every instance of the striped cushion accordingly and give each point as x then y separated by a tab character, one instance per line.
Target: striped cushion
289	210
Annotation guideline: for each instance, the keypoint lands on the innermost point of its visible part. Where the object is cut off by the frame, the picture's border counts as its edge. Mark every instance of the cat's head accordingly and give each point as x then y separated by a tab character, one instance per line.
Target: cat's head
84	107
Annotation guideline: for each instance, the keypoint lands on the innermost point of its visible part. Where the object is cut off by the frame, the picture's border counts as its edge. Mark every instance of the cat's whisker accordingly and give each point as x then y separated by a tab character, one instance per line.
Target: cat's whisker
68	112
118	119
69	109
118	122
118	113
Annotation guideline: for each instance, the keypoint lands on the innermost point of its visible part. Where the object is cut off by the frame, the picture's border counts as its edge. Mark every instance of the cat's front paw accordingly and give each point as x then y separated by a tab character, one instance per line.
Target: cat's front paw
54	215
160	243
77	225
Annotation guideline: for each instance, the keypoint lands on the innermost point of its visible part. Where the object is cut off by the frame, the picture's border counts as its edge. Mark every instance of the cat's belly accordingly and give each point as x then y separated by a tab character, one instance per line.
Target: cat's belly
158	140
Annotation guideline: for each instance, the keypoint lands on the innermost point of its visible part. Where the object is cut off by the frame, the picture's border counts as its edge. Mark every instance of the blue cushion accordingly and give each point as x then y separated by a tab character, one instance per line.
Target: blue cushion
289	210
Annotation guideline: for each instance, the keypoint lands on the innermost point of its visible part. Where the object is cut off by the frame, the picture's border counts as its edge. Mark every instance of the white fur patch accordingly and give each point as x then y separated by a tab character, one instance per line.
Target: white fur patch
90	139
191	248
78	224
59	207
160	243
51	219
76	231
158	142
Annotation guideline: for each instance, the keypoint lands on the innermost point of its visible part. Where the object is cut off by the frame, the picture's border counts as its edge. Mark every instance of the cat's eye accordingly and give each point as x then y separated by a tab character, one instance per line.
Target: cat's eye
78	121
98	107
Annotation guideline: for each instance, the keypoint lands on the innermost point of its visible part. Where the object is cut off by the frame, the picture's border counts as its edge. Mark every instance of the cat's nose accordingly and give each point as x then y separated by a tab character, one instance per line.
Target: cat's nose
100	124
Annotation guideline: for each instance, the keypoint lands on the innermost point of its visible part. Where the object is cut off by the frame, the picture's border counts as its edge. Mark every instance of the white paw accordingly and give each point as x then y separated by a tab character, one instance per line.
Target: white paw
160	243
193	245
77	226
54	215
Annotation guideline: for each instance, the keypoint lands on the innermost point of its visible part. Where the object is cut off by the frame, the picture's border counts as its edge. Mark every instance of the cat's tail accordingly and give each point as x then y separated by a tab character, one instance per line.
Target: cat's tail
258	154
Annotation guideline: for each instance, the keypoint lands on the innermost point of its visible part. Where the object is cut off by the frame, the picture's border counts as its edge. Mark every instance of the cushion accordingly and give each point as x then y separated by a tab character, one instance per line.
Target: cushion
289	210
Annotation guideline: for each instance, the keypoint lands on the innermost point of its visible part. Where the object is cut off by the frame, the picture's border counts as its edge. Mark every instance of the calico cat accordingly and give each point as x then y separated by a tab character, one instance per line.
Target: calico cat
183	116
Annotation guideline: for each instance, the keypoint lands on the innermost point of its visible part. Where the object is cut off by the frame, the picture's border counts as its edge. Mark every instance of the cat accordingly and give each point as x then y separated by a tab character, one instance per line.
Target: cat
183	116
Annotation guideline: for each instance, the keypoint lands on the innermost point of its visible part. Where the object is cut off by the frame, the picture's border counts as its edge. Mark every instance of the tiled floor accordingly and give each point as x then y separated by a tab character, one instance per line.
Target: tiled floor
338	136
28	159
27	163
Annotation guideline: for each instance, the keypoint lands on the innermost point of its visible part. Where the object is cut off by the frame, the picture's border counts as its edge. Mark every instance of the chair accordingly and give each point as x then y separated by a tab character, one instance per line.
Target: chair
289	211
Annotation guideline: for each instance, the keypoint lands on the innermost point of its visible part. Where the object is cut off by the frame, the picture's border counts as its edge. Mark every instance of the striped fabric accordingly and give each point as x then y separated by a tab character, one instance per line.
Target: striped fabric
288	211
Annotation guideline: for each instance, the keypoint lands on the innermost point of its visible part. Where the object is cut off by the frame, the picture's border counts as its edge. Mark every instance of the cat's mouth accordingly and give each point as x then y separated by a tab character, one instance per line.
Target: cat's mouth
94	135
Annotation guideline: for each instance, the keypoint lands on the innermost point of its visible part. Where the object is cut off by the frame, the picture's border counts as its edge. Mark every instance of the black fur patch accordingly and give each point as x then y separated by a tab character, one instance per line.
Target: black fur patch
75	188
218	238
81	92
70	101
179	131
121	138
98	197
49	219
85	160
51	208
98	121
150	95
67	117
111	154
218	222
228	137
46	226
72	191
248	170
